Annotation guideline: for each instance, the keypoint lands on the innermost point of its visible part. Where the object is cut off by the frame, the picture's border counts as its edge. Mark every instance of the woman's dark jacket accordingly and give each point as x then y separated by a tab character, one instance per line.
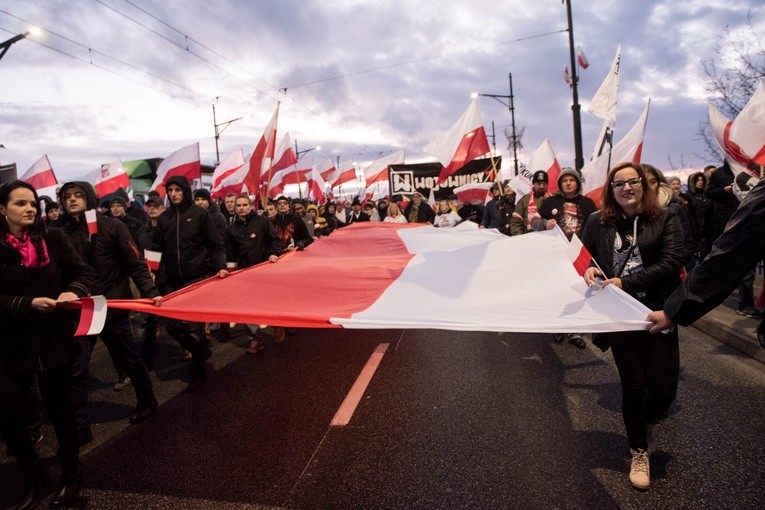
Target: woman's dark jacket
31	340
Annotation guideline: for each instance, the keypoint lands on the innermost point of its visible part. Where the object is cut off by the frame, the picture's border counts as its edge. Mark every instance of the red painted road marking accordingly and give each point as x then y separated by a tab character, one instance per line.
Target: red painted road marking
347	408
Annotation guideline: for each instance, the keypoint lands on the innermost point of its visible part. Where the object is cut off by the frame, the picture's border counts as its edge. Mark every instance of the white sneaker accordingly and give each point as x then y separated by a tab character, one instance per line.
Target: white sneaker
122	384
640	473
653	446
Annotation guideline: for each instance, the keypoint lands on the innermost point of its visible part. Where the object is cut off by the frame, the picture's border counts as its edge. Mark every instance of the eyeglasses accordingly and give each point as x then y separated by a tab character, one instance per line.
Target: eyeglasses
76	194
635	181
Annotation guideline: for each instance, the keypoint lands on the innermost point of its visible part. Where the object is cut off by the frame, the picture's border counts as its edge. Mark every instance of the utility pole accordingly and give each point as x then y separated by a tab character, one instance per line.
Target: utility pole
575	108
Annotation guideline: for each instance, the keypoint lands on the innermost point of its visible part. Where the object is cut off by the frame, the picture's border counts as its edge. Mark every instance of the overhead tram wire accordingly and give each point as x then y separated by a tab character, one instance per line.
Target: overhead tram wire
186	48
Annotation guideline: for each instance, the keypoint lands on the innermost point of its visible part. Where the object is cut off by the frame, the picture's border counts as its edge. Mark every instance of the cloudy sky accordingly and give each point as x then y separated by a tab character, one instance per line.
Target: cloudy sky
135	79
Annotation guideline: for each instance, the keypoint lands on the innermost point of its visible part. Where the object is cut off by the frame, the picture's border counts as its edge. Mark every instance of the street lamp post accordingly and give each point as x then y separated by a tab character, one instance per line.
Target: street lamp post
222	126
575	108
300	154
511	106
33	31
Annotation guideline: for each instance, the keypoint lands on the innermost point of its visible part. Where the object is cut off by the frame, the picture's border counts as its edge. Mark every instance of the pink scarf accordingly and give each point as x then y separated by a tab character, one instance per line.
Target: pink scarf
28	251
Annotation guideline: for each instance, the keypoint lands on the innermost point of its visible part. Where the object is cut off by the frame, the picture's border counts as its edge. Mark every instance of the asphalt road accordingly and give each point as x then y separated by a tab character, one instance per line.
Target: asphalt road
450	420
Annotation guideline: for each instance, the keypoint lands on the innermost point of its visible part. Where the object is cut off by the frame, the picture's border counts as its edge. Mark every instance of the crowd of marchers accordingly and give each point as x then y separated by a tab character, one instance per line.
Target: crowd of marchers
644	237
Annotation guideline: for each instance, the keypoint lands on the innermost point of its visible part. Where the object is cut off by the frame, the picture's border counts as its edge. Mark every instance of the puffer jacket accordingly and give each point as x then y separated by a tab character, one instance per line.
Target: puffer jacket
251	240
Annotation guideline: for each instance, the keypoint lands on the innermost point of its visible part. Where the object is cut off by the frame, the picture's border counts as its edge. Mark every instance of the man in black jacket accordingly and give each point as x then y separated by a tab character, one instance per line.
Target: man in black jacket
291	230
112	253
191	251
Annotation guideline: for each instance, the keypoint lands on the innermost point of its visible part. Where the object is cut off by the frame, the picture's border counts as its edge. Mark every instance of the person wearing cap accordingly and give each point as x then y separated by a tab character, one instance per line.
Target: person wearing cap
112	253
505	209
569	210
132	209
357	215
202	199
118	210
154	206
291	230
528	206
489	219
191	251
418	210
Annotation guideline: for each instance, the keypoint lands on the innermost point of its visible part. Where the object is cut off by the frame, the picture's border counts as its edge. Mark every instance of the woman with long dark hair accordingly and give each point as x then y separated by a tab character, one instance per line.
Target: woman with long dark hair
638	246
38	268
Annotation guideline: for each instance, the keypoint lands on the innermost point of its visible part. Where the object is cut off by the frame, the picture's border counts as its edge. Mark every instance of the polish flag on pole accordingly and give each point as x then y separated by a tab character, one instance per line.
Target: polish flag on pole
91	218
378	190
327	169
258	173
298	174
347	173
41	177
747	131
579	255
92	316
720	126
463	142
567	76
603	103
629	148
185	162
317	188
543	158
378	169
153	258
473	192
110	178
284	154
581	59
229	175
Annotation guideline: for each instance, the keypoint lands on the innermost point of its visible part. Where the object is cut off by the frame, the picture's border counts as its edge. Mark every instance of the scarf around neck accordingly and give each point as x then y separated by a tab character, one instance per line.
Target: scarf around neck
28	251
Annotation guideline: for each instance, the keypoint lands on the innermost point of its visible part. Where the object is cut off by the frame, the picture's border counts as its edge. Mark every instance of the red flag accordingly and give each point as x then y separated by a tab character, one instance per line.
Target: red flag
41	177
262	157
581	59
463	142
185	162
474	191
110	178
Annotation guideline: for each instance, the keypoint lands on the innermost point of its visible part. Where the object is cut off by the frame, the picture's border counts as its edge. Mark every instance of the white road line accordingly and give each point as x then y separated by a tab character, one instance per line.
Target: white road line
348	407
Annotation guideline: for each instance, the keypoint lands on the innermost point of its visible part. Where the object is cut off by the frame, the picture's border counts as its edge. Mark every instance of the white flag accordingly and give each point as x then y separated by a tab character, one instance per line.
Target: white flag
603	104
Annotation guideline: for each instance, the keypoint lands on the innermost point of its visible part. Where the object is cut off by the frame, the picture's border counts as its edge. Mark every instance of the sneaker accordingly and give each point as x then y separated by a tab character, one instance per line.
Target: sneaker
640	473
254	347
577	340
749	311
653	446
122	384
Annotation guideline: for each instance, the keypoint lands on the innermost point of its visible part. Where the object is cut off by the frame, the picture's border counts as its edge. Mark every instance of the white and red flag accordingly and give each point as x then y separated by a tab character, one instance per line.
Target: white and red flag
463	142
316	187
720	126
378	169
228	176
579	255
543	158
296	174
629	148
581	59
603	103
346	173
747	131
110	178
567	76
185	162
473	192
284	154
260	164
92	315
327	169
41	177
413	277
91	219
153	259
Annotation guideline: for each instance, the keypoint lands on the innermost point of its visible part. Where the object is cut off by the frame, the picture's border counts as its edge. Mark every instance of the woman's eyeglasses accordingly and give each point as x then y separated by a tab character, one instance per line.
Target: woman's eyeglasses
635	181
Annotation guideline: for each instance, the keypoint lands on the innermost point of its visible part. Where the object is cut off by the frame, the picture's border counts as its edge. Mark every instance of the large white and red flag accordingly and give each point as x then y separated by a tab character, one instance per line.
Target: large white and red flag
228	176
394	276
184	162
110	178
629	148
41	177
720	126
463	142
603	103
284	154
543	158
316	186
260	170
378	190
297	174
747	131
327	169
378	170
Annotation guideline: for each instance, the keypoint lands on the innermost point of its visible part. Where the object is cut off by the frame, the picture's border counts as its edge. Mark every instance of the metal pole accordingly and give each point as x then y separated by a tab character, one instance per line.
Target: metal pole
512	119
575	108
217	135
493	138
